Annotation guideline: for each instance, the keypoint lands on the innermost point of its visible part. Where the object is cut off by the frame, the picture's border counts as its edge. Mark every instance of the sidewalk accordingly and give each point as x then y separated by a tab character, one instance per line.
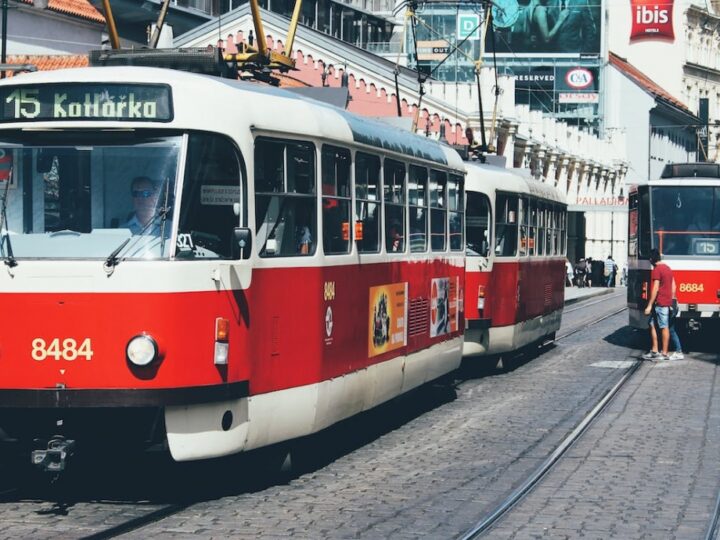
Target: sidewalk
575	294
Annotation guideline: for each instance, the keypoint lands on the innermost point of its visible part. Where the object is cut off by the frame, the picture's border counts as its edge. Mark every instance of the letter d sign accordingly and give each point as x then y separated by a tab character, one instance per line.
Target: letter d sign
468	26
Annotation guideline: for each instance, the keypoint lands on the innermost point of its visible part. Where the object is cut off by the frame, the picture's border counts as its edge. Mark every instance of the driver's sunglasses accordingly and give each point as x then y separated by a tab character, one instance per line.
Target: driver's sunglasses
143	193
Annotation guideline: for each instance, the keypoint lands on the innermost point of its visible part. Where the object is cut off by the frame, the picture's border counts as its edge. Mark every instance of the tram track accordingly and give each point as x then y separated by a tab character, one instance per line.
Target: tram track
138	522
490	519
159	513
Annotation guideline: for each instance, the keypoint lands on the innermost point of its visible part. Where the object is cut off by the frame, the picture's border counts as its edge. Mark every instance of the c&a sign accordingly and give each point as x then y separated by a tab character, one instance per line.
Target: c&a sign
652	19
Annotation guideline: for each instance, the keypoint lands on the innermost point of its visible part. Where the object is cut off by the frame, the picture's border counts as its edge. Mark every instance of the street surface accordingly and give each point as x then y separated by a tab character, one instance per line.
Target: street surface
434	463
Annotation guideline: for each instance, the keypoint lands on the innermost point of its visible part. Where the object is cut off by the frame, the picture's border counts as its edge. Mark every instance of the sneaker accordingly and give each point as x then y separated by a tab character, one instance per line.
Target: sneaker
676	355
662	358
652	355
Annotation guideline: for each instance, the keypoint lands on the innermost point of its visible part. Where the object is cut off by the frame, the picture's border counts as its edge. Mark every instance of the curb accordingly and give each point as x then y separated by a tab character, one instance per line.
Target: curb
599	292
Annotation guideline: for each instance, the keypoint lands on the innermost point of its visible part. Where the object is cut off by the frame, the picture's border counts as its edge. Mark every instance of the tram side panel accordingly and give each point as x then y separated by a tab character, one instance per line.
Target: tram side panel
317	355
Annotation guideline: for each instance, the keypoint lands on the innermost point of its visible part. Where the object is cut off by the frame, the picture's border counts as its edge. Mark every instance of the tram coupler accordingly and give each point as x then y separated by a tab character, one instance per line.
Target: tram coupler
54	458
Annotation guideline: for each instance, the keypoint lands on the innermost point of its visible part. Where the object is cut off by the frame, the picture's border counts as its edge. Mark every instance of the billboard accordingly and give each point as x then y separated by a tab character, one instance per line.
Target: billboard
558	27
557	89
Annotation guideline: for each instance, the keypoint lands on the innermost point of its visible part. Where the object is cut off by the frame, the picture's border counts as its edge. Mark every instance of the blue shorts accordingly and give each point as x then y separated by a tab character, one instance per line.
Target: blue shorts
661	316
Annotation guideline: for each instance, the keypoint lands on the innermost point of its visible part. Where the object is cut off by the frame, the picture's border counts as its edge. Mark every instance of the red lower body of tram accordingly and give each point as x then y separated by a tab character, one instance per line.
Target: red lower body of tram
306	347
514	305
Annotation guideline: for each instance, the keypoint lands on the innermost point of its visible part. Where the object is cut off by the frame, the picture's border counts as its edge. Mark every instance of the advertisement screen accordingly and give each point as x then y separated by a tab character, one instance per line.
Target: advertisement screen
565	27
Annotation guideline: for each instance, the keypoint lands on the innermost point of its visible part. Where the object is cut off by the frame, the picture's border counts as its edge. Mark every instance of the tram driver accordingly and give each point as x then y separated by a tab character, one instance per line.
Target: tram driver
145	195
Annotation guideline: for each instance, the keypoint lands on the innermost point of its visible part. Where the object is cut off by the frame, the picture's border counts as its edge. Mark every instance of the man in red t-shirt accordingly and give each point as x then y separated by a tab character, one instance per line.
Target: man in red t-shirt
661	295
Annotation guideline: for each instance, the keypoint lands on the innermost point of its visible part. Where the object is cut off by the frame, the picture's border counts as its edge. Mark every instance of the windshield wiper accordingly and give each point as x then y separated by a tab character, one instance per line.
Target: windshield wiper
5	245
113	259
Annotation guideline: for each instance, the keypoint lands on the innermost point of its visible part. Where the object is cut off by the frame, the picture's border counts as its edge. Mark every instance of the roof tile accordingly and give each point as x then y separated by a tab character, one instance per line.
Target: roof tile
50	62
645	82
82	9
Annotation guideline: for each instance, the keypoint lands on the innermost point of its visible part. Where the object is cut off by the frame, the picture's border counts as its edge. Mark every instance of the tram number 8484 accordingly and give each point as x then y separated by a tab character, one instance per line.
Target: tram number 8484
68	349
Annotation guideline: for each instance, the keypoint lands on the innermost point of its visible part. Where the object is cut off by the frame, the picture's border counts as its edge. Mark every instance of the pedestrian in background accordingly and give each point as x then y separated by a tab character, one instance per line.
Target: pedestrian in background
568	273
609	271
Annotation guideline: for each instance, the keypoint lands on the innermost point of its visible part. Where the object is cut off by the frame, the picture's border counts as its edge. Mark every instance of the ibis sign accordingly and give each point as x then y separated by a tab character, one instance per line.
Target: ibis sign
652	19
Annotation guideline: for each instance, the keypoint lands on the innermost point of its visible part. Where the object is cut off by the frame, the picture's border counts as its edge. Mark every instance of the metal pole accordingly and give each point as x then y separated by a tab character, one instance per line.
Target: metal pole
112	29
4	36
159	25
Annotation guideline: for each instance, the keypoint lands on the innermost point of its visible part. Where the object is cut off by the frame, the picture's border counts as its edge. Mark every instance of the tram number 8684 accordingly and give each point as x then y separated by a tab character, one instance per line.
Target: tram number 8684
691	287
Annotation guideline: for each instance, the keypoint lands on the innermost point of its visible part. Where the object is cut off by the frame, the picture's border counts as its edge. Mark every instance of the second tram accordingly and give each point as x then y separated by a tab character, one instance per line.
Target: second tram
515	265
679	215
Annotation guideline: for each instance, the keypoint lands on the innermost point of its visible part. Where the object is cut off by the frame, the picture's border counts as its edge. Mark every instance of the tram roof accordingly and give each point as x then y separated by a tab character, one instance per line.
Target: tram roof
212	103
483	177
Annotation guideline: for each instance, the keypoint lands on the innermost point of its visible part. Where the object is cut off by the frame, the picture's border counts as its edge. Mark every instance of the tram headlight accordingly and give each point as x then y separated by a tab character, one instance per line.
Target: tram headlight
141	350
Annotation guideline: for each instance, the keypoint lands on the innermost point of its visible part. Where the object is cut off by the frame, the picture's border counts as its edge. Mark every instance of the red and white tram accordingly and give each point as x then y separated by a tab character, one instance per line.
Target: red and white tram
299	264
515	266
679	215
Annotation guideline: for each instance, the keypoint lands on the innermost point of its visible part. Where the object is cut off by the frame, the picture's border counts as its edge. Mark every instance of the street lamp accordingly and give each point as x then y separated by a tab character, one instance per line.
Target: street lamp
3	54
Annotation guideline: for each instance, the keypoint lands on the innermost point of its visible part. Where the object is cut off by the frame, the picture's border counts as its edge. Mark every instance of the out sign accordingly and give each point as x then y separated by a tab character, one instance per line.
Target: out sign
652	19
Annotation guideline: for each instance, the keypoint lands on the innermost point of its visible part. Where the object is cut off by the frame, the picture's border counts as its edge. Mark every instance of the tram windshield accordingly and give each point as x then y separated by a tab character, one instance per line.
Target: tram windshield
69	195
686	220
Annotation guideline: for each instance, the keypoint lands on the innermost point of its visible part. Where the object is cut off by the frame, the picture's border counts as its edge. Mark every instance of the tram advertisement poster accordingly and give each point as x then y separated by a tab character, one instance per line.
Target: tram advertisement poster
443	306
388	313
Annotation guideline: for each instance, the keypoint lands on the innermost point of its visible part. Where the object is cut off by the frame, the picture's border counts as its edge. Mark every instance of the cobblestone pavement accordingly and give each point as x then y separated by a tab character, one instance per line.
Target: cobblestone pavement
434	475
648	468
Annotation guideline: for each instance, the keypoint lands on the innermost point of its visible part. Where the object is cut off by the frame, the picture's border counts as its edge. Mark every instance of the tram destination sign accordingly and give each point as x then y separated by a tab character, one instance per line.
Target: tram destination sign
86	101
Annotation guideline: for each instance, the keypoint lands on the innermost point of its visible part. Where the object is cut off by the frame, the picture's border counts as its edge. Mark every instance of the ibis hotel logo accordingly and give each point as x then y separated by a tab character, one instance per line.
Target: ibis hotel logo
652	19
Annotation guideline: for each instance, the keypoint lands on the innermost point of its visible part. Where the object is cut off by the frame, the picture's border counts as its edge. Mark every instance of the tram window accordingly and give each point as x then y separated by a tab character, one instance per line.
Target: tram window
68	192
532	225
478	220
417	195
685	220
456	206
367	205
394	195
270	167
300	168
286	221
506	225
336	200
563	230
545	234
211	189
644	229
633	225
542	227
524	219
438	210
552	231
